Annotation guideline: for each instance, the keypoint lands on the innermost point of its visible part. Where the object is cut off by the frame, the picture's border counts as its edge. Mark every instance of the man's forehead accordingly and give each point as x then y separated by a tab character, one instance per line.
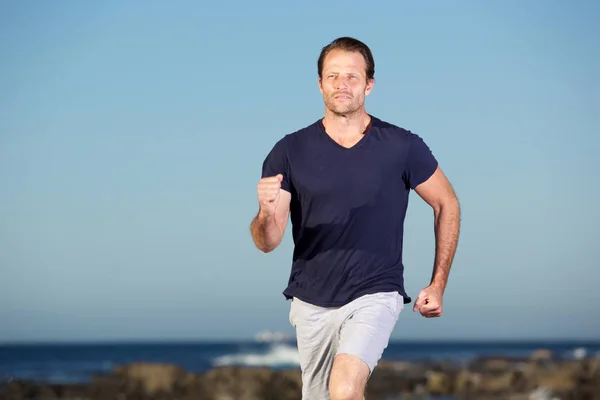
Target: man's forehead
344	61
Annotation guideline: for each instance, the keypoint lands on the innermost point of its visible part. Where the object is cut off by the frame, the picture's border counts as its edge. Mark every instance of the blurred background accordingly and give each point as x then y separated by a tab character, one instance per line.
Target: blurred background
132	136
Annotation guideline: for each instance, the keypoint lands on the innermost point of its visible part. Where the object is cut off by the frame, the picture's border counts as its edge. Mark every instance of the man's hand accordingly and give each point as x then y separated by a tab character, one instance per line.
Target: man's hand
268	194
268	227
429	302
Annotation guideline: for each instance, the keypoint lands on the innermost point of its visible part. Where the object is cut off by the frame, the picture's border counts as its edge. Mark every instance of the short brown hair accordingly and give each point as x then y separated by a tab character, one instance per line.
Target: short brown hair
348	44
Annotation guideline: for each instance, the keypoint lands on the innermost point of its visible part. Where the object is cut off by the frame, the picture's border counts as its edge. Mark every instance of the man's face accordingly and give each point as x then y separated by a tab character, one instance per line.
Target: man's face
344	82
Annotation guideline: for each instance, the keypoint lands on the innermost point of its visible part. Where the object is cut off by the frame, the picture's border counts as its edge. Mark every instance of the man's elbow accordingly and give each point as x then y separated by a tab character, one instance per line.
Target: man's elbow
452	202
262	246
268	247
448	204
265	249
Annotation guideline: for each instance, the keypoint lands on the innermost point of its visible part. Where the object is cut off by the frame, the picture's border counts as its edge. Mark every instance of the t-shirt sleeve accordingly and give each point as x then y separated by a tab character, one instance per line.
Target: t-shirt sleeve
277	162
420	162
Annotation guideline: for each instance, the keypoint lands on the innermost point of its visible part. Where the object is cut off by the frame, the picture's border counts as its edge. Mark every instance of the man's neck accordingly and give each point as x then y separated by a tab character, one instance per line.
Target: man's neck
346	126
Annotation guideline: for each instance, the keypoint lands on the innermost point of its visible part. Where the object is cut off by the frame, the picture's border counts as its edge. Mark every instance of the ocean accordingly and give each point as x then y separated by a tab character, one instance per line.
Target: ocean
71	363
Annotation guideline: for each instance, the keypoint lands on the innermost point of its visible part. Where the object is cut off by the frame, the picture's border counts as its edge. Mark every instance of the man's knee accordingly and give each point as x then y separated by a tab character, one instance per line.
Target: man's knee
345	391
348	378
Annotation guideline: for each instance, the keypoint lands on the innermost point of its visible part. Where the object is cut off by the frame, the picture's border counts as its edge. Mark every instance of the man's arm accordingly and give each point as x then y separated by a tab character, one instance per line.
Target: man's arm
438	193
267	228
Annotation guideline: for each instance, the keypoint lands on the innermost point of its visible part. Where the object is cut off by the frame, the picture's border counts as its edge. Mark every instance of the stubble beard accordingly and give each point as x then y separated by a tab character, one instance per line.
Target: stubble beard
343	110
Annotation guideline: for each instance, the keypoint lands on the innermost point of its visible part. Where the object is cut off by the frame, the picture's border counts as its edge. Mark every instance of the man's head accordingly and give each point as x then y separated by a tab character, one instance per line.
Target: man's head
346	75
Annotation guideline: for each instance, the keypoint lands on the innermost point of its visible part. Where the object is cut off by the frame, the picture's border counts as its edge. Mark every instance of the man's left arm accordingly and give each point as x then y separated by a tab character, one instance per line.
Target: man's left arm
439	194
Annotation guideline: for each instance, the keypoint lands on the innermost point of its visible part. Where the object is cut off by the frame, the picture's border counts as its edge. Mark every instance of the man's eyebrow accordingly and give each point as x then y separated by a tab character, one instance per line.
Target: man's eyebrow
335	71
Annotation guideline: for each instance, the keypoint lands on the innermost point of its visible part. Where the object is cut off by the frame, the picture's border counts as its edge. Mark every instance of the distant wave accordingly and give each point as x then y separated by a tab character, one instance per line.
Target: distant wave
579	353
279	355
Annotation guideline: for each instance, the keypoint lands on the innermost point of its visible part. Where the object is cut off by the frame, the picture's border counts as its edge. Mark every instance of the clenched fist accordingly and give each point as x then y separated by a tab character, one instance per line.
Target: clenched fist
268	193
429	303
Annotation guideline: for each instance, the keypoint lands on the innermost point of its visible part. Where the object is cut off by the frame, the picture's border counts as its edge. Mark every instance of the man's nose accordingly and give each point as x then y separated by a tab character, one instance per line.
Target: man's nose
340	82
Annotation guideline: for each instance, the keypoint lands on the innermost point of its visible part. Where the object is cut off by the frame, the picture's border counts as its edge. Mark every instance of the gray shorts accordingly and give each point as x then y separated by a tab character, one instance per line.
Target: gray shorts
361	328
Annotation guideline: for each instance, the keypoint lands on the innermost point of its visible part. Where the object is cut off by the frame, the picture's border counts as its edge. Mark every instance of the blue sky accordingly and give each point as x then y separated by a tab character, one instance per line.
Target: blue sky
132	136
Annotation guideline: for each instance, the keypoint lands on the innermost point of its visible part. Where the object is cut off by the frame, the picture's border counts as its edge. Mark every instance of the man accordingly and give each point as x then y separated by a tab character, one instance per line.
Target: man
344	181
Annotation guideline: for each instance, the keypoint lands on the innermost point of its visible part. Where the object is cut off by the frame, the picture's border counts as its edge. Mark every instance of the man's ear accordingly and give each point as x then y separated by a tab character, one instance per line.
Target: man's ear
369	88
320	80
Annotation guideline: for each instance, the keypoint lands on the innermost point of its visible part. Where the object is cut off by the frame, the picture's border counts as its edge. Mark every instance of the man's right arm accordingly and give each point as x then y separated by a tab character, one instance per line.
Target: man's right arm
268	226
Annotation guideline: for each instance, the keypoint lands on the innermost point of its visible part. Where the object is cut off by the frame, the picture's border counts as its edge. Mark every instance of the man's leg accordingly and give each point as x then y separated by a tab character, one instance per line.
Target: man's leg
366	328
317	339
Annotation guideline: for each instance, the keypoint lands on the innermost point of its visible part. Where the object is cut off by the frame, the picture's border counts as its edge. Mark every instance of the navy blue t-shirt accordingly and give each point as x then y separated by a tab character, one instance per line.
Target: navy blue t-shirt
347	209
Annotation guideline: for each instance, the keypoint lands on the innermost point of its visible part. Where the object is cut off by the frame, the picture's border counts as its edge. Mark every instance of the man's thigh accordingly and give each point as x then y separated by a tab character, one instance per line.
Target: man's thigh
317	338
367	326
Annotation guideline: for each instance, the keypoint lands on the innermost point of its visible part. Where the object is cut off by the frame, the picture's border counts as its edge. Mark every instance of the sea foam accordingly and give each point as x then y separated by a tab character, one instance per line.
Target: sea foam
279	355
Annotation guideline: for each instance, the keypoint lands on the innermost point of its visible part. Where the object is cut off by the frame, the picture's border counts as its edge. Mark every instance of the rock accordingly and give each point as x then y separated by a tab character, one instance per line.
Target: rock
465	382
15	390
541	355
285	385
152	378
108	387
396	378
240	383
560	378
45	393
490	379
496	383
439	383
496	364
541	393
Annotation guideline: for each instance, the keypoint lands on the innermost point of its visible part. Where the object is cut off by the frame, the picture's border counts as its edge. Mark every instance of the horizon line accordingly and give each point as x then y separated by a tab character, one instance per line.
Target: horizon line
176	341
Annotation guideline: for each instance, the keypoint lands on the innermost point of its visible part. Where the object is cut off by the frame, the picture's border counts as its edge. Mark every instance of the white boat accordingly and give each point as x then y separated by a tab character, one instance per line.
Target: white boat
269	336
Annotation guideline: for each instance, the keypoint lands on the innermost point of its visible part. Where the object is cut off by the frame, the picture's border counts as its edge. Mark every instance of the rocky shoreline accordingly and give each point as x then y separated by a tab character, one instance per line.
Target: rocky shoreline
538	377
